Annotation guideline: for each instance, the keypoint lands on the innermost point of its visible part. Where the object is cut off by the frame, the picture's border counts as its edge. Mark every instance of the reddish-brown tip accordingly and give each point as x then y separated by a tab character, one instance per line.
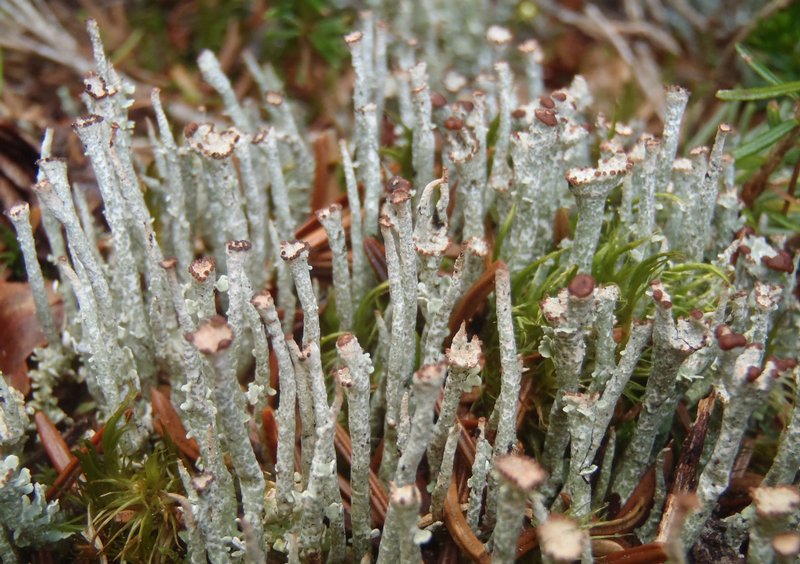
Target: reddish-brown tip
731	341
453	123
547	117
782	262
581	286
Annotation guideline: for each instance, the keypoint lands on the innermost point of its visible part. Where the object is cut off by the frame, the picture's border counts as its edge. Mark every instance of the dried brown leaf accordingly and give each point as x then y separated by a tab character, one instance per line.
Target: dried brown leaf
20	332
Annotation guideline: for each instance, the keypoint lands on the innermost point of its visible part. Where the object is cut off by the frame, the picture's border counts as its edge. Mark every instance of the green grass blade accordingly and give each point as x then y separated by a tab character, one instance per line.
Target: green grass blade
760	93
764	139
760	69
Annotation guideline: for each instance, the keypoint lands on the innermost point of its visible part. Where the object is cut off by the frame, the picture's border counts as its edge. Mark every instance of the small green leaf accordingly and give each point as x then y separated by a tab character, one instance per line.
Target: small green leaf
503	231
700	267
761	93
669	197
774	117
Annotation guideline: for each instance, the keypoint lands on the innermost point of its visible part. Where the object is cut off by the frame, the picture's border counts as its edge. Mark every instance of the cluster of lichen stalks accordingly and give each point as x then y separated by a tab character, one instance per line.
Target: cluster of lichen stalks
132	314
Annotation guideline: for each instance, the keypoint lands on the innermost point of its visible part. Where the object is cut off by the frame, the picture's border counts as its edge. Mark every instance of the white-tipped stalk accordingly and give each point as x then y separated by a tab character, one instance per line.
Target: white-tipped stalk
436	330
361	61
673	343
295	254
95	133
212	74
502	174
562	540
51	226
213	338
405	502
331	220
518	477
360	270
580	410
676	99
354	378
305	404
427	382
316	498
469	158
463	359
605	362
569	316
20	217
380	66
505	410
281	113
256	208
87	219
774	508
395	377
430	229
200	415
264	75
324	452
203	277
284	465
534	73
225	206
744	387
101	382
180	225
369	165
284	222
445	472
646	212
243	315
201	504
591	187
530	153
402	76
422	148
702	210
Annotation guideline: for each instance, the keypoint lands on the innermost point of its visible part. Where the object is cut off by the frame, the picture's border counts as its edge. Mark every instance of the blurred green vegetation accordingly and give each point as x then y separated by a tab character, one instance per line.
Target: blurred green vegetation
292	34
175	32
777	39
300	28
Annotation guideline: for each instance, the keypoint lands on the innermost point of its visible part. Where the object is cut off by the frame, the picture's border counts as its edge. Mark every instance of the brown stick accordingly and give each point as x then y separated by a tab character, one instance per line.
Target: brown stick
53	442
270	428
652	553
685	480
459	529
71	472
791	188
166	421
473	298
